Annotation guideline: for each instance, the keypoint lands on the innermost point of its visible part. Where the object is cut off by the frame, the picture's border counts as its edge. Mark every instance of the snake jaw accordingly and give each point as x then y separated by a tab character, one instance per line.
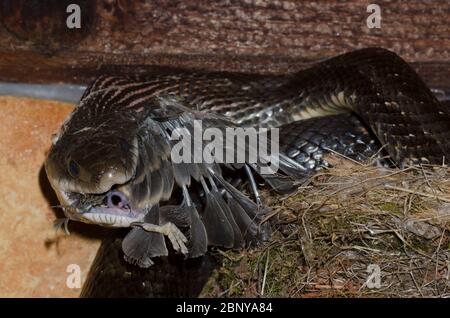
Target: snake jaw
96	212
114	214
112	217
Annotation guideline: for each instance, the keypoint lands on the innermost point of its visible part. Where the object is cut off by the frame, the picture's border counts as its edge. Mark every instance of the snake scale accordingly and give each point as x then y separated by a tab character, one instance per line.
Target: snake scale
111	164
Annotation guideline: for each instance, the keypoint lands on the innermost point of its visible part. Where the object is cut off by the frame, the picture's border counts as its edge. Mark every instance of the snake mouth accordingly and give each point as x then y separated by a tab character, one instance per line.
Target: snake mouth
111	209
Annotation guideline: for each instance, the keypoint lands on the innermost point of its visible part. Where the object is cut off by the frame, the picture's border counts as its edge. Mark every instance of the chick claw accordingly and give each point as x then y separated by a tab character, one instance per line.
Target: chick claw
168	229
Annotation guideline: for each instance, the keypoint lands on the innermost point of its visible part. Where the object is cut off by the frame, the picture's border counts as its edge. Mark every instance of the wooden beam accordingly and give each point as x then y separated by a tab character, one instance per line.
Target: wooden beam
259	36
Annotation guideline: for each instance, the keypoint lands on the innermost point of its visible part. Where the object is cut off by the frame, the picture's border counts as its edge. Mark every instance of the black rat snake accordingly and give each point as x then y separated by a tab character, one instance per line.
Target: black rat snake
111	162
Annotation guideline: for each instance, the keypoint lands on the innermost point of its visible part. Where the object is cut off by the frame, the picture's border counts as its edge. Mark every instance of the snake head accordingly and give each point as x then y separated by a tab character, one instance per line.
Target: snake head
90	158
94	157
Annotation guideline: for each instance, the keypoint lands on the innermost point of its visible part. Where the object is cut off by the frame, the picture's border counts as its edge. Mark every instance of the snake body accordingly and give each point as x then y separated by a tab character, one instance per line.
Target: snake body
110	163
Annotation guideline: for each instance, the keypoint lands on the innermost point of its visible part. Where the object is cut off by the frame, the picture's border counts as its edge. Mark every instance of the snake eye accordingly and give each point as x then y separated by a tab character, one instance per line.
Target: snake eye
74	169
124	146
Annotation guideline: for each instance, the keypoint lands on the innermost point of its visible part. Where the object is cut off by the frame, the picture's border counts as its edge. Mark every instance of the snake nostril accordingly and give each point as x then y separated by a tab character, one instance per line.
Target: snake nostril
116	199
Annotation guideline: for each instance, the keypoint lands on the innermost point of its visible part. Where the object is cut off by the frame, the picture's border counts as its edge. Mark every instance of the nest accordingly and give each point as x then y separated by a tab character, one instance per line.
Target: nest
355	230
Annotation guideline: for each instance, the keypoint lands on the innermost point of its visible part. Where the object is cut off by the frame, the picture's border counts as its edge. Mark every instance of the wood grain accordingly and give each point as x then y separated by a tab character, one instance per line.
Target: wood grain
35	257
237	35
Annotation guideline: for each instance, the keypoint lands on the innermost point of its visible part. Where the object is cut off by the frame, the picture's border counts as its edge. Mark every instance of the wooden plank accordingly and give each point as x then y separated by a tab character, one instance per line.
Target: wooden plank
237	35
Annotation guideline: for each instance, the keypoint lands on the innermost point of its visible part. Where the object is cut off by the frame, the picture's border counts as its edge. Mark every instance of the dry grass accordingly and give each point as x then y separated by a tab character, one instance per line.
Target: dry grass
340	224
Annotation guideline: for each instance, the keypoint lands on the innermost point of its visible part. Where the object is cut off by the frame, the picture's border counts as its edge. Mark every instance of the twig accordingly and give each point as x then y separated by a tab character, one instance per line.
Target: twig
431	196
265	273
343	156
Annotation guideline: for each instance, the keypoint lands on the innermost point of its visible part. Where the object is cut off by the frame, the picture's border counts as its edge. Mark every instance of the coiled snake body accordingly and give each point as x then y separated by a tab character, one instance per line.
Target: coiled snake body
110	164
